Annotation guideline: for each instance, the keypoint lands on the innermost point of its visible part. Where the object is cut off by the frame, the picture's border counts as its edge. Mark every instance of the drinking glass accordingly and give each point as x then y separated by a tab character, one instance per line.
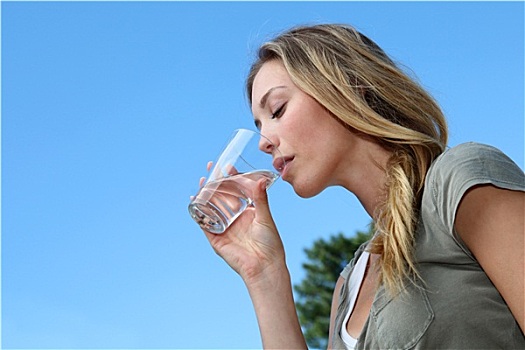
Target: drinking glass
229	188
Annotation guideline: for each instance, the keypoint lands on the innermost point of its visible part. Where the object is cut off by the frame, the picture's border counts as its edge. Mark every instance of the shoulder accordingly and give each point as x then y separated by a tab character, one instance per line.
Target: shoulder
471	152
462	167
473	163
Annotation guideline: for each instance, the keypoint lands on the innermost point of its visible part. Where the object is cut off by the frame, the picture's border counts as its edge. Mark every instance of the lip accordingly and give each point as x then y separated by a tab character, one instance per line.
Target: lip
280	164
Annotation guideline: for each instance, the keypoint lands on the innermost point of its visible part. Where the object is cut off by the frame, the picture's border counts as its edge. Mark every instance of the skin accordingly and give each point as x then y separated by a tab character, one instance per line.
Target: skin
333	156
490	220
320	152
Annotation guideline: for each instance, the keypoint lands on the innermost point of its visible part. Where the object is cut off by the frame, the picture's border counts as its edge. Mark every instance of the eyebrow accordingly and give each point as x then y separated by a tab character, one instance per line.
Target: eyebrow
264	99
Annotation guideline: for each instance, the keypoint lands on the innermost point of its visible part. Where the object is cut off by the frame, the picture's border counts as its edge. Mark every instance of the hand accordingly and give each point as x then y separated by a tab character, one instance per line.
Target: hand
251	245
253	248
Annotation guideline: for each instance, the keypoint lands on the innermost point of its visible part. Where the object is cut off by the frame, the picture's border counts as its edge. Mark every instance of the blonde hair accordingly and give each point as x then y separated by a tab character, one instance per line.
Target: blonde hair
359	84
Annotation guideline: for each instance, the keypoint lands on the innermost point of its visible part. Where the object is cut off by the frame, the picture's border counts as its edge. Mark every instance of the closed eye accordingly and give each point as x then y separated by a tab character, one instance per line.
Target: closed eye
278	113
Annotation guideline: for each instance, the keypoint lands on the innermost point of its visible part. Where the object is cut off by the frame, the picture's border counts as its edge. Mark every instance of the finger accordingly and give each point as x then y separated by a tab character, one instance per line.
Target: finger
262	208
231	170
201	181
209	165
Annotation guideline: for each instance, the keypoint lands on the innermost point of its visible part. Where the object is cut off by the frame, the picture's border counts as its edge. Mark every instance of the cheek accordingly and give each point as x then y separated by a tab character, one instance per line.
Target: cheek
303	132
316	128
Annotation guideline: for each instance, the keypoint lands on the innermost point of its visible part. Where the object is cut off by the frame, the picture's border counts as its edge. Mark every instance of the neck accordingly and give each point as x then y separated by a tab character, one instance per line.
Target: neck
367	181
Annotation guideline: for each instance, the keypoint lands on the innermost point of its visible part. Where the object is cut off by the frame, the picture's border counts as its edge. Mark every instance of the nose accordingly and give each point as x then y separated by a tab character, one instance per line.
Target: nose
266	145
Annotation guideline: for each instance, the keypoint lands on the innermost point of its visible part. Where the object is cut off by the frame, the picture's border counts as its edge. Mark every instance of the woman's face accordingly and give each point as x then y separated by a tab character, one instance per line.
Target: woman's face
318	149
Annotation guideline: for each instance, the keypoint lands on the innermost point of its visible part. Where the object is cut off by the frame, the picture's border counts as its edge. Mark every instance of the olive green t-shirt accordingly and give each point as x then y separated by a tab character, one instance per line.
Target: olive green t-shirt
457	307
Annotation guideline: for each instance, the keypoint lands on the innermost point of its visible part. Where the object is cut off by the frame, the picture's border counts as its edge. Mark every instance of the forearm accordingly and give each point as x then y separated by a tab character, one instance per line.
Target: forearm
274	305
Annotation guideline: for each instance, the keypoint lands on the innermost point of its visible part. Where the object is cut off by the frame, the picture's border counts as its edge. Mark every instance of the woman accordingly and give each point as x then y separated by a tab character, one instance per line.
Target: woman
445	268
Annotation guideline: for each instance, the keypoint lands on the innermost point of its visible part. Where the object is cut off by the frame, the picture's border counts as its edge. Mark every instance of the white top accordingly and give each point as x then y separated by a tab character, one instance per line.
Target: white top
356	280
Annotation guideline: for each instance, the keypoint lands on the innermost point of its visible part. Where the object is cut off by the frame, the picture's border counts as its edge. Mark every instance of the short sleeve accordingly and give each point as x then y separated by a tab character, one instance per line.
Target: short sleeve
465	166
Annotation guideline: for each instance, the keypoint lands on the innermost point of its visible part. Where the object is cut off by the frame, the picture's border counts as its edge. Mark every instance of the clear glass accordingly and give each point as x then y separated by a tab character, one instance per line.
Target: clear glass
228	190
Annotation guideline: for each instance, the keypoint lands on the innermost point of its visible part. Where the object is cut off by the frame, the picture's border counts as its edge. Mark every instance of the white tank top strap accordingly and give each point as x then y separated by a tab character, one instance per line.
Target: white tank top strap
356	279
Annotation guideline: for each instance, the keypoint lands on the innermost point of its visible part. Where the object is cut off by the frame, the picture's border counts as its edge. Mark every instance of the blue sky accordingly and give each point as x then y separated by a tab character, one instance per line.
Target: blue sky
110	111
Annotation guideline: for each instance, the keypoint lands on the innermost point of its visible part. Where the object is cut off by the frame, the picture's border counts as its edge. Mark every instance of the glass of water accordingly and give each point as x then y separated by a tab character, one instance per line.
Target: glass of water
230	185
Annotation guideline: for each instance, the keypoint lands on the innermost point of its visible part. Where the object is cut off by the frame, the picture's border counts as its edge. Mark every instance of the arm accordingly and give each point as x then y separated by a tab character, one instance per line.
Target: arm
275	309
253	248
490	221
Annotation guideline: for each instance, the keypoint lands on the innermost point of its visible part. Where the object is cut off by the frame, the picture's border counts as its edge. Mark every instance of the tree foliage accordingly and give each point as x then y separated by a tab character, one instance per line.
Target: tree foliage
326	260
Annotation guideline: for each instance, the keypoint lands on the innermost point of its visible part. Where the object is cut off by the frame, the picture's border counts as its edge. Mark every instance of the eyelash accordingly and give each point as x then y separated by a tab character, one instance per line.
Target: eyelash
278	112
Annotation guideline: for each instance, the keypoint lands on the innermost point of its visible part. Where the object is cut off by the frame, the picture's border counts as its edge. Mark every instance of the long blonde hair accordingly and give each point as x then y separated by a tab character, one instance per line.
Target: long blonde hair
359	84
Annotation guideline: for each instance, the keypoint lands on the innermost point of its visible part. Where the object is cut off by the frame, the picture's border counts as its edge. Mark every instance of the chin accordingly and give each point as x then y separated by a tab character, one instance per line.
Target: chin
306	191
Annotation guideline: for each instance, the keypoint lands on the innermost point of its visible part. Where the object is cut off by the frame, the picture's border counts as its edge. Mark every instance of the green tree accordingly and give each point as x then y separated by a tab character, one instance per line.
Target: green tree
326	260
